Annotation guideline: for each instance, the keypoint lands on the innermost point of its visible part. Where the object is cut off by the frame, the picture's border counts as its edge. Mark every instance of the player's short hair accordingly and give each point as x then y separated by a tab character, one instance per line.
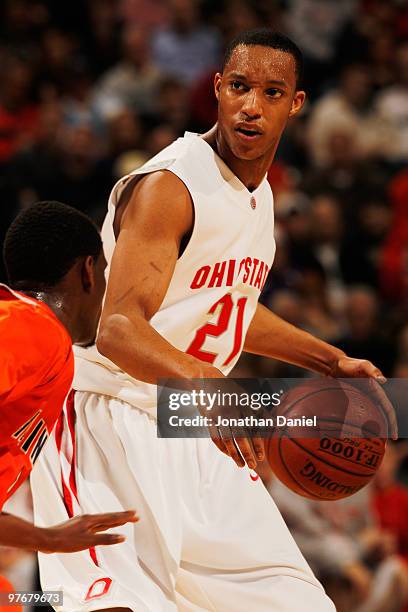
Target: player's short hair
266	37
44	242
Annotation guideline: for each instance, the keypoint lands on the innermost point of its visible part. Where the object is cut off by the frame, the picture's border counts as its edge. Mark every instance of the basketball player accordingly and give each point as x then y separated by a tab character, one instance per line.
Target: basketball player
53	255
189	242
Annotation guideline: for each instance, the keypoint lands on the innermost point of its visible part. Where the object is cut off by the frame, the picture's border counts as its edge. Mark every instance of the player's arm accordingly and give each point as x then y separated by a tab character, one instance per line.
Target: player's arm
79	533
270	336
159	213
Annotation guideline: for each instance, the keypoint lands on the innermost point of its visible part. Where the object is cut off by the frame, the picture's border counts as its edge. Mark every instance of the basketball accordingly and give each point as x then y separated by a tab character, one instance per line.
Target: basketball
341	454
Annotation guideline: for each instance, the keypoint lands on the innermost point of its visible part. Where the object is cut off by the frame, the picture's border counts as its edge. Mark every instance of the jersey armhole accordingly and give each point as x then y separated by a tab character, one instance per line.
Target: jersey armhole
125	197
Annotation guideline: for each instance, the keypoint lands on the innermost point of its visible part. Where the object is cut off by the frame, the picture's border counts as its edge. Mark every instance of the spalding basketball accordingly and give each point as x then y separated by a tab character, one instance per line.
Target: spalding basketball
340	454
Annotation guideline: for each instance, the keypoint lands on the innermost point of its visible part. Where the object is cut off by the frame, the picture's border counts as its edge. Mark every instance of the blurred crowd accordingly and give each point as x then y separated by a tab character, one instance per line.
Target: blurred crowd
357	546
93	88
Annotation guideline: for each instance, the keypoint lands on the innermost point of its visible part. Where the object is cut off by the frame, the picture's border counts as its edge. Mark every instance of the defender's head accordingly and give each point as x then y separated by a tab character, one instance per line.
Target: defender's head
257	91
55	249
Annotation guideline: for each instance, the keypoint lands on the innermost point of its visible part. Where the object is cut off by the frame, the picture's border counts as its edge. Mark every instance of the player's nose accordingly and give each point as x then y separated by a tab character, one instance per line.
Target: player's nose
252	107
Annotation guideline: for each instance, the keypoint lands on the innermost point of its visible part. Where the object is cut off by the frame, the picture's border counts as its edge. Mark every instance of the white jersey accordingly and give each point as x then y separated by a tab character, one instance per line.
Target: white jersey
217	281
192	550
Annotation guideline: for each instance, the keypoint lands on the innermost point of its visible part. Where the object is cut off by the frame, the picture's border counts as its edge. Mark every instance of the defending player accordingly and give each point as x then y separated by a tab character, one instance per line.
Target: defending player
53	256
189	240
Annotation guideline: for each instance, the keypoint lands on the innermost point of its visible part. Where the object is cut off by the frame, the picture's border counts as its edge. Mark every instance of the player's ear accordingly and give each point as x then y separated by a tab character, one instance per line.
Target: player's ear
217	84
297	103
88	273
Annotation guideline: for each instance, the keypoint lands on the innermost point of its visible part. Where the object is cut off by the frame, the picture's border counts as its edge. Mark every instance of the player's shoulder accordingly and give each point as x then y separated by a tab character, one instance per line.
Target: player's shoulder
163	183
167	157
25	317
184	150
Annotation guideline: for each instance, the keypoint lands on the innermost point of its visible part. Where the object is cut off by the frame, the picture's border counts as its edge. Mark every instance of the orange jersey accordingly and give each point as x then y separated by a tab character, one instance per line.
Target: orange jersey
36	371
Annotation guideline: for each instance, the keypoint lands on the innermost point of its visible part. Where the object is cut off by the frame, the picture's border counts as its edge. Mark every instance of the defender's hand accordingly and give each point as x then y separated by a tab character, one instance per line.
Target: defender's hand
347	367
82	532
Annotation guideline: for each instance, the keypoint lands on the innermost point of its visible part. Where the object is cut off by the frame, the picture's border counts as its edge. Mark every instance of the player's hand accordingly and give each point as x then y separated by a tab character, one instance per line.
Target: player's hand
82	532
348	367
244	449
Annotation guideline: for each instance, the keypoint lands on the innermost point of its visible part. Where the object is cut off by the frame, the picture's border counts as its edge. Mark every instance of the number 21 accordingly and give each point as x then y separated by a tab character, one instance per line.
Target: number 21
216	329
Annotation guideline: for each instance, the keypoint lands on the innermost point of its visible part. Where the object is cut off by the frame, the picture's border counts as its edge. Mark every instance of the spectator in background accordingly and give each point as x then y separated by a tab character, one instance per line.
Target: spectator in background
101	34
381	55
391	106
35	168
18	112
146	13
59	53
124	133
203	103
403	344
316	25
364	336
22	21
363	242
390	499
125	144
172	106
287	304
303	271
240	15
328	230
159	138
347	175
393	264
133	82
348	108
186	48
68	161
77	104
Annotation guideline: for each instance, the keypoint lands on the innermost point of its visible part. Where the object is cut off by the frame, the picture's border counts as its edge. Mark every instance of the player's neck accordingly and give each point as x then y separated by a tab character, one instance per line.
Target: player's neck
56	301
250	172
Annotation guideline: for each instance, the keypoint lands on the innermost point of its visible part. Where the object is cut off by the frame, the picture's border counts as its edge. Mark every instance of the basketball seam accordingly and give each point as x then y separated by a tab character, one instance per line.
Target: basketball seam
289	471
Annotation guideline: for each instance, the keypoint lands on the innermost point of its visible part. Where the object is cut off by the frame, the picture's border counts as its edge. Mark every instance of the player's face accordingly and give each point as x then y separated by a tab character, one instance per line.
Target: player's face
256	95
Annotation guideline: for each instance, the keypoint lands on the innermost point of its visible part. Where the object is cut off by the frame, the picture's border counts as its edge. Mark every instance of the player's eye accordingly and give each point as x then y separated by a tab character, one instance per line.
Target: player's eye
238	86
274	93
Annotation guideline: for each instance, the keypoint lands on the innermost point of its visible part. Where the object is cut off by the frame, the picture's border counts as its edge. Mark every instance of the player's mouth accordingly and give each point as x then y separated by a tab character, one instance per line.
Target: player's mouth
248	133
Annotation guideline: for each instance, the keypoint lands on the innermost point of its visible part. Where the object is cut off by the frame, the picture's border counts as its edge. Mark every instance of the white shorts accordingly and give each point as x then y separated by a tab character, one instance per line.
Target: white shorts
209	537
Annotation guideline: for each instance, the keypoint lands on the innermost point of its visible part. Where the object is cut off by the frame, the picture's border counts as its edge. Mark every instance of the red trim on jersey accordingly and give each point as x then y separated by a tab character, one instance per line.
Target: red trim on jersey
69	490
65	490
107	582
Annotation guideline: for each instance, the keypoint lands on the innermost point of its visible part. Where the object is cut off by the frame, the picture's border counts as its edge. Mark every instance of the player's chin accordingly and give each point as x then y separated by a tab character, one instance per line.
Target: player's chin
248	152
